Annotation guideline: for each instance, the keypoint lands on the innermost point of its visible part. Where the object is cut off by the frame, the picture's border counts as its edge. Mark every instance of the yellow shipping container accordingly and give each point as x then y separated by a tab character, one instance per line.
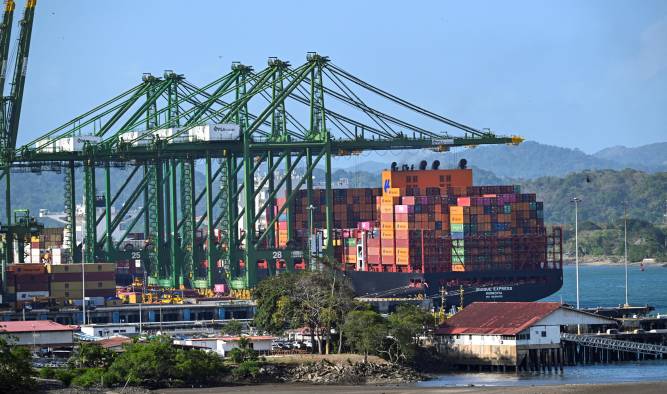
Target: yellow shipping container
402	260
90	284
386	208
402	253
387	252
389	200
68	268
386	226
393	191
387	234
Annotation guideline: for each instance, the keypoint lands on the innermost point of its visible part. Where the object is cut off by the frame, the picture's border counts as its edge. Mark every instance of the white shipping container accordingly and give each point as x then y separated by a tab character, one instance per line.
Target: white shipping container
28	295
163	134
215	132
46	145
136	138
77	143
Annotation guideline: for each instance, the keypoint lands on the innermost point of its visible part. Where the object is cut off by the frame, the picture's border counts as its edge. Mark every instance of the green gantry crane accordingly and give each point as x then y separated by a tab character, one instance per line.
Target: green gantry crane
10	109
161	130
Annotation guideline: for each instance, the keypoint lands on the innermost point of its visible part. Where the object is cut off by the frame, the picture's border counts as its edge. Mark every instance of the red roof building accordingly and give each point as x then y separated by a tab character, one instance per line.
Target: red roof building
497	318
33	326
38	333
518	335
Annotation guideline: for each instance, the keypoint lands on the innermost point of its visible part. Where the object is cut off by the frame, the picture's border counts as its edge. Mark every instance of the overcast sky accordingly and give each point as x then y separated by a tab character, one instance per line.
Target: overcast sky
584	74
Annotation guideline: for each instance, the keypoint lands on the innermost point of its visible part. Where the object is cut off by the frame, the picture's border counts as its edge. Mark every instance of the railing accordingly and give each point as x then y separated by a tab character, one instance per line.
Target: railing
615	344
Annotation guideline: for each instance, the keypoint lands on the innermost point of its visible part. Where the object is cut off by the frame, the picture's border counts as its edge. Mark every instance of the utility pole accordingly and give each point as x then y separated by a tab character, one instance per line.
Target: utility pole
625	249
311	261
443	299
83	290
576	201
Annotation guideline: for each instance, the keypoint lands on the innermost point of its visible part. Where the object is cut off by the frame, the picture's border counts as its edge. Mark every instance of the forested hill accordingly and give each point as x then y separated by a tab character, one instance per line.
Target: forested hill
602	194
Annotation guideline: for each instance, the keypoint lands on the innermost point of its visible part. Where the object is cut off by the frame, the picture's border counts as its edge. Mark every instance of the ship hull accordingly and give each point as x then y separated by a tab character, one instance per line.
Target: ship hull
477	286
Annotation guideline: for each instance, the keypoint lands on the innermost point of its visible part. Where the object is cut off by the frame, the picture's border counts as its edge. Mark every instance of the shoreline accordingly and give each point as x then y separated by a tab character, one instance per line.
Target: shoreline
608	263
650	387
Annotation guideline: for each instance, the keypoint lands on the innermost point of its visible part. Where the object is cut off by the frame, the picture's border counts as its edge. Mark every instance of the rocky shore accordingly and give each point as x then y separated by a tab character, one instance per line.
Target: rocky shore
325	372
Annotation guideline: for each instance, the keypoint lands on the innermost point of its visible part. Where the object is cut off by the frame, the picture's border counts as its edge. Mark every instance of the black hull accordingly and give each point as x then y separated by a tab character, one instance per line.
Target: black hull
477	286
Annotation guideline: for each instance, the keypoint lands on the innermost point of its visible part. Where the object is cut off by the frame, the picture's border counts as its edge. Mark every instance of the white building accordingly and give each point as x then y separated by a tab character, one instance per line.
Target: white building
108	330
222	345
38	333
519	335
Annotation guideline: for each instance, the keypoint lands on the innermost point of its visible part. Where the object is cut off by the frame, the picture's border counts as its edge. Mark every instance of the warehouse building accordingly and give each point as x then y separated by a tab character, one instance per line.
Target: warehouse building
38	333
511	335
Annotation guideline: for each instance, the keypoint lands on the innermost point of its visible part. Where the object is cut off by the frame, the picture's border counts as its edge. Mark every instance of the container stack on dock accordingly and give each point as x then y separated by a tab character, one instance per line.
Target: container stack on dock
66	280
27	281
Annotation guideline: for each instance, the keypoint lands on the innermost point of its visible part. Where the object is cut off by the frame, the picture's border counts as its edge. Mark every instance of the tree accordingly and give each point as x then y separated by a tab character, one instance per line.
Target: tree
406	325
16	373
234	327
318	300
276	308
243	352
364	331
91	355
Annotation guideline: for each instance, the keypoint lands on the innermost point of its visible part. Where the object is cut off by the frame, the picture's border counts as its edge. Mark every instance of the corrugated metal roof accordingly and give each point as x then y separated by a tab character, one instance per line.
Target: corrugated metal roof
34	325
497	318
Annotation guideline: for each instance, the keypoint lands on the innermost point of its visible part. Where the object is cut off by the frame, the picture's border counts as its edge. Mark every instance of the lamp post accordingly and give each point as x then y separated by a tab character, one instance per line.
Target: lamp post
83	290
576	201
625	249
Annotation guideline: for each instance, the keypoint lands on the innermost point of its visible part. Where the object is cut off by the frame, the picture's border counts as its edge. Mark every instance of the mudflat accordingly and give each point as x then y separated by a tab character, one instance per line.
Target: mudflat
634	387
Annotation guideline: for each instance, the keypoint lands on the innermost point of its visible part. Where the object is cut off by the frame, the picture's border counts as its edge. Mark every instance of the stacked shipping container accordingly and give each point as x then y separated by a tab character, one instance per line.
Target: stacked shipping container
452	226
26	281
66	280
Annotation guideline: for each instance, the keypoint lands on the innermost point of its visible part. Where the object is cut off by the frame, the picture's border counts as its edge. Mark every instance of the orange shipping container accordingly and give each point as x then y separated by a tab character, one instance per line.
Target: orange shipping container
388	234
401	225
458	268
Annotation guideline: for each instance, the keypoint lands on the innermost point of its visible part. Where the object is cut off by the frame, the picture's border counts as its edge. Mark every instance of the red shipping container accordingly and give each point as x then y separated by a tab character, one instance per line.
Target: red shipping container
463	201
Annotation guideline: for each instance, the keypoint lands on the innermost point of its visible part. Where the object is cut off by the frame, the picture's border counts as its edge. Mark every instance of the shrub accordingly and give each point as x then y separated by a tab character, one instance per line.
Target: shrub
65	375
247	370
92	377
47	373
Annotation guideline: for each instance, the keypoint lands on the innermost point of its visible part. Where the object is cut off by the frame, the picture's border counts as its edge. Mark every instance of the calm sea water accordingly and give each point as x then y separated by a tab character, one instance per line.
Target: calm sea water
598	286
605	286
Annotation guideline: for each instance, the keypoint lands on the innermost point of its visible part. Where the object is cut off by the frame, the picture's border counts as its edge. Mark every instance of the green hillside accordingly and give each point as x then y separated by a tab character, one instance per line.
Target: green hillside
645	240
603	193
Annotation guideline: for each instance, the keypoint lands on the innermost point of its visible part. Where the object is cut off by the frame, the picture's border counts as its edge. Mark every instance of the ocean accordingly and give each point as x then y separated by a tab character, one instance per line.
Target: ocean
598	286
604	285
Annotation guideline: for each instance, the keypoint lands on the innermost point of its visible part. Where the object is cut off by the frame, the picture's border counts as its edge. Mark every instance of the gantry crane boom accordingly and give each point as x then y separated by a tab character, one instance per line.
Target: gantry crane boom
301	116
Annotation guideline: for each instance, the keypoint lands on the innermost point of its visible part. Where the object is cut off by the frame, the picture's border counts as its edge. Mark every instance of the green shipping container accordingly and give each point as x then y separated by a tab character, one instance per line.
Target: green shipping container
458	252
458	243
456	228
458	259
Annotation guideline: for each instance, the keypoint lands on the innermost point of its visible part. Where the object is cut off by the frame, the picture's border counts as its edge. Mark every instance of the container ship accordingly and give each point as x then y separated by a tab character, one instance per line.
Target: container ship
431	233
